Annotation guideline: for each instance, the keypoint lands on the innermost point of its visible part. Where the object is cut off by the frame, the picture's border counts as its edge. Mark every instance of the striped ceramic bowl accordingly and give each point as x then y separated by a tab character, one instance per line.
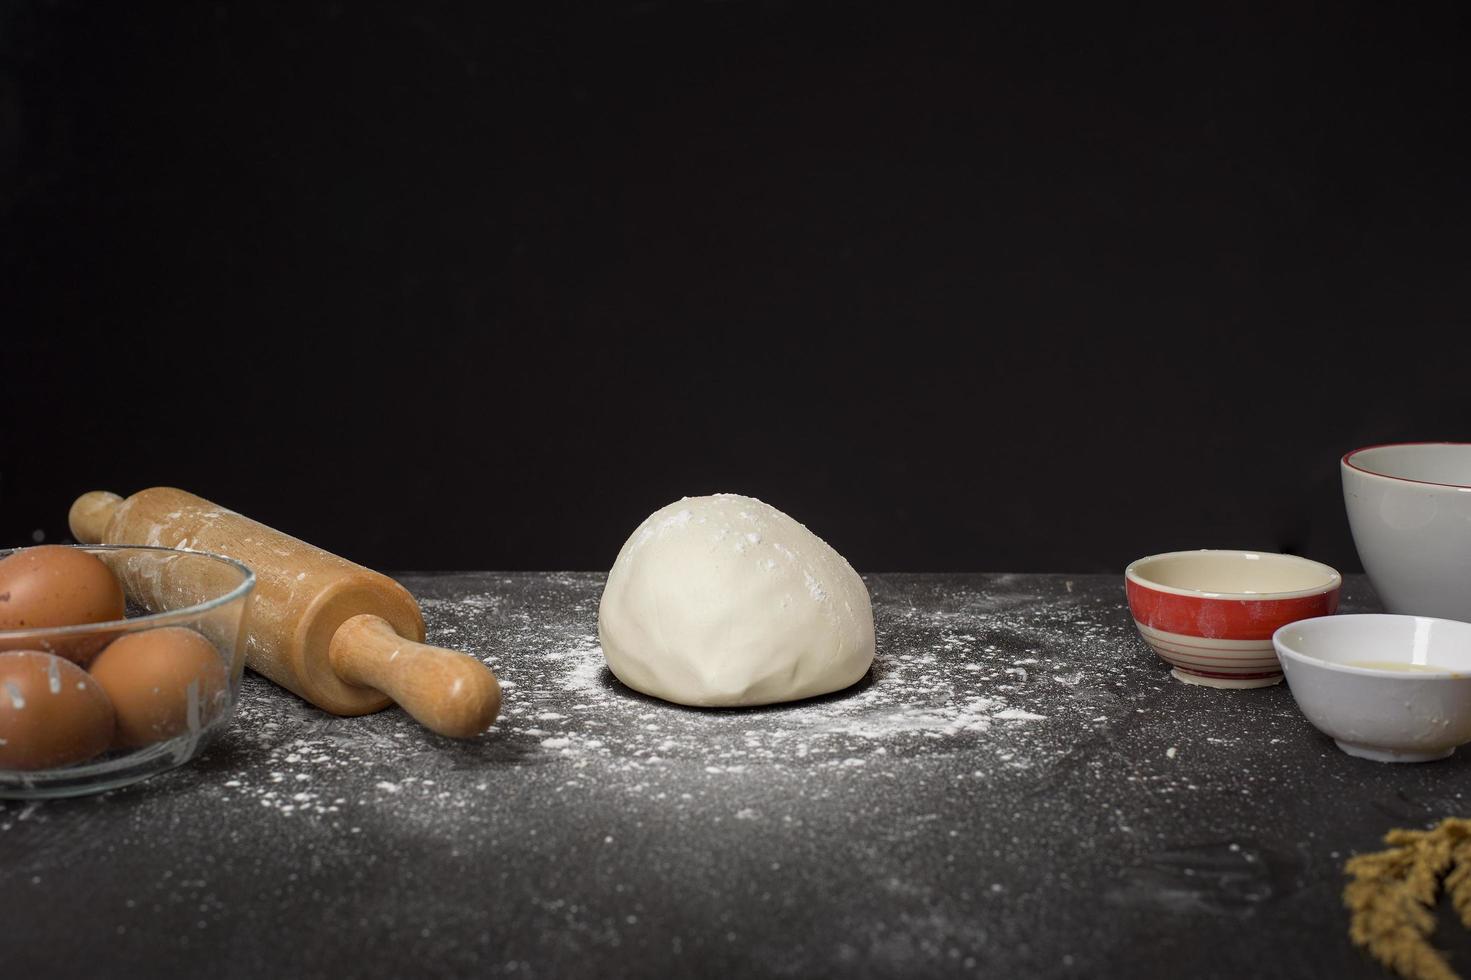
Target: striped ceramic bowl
1210	615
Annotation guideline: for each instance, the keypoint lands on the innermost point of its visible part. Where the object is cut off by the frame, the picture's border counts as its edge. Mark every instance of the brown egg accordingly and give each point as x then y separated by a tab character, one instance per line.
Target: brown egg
56	586
156	679
51	712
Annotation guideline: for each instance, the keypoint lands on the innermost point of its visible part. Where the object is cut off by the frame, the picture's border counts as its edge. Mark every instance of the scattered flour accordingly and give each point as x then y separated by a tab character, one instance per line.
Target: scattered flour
945	679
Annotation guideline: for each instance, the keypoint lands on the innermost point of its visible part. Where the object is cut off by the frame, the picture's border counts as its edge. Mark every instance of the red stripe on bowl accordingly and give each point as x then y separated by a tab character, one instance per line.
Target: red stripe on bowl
1253	664
1232	677
1223	619
1242	651
1170	654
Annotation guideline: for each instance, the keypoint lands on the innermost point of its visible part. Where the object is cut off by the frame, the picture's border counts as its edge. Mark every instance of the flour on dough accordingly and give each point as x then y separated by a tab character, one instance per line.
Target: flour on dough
726	601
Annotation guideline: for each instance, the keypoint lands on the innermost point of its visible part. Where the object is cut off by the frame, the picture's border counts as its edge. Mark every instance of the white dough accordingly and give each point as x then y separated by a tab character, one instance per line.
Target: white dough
724	601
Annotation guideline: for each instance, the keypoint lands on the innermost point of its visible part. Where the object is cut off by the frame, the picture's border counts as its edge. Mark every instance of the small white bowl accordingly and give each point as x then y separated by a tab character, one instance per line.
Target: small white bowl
1387	688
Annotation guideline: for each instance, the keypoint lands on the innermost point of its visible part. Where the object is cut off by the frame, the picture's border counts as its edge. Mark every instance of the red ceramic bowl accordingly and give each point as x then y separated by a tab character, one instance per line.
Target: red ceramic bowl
1210	615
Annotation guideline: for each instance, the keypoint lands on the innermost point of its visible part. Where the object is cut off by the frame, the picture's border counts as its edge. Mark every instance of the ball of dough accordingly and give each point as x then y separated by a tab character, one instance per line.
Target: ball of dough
726	601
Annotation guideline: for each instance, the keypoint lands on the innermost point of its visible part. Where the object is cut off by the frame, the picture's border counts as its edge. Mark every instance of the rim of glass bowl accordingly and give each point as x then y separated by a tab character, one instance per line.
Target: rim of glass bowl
152	619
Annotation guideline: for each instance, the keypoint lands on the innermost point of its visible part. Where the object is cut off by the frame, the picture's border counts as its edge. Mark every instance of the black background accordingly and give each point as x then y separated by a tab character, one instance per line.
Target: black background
449	286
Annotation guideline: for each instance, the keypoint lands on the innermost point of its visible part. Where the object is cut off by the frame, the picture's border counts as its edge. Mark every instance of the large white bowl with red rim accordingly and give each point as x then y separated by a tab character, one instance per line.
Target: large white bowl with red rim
1210	615
1409	507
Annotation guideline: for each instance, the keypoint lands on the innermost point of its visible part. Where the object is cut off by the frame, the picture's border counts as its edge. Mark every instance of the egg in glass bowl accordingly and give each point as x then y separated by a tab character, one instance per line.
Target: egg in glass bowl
116	663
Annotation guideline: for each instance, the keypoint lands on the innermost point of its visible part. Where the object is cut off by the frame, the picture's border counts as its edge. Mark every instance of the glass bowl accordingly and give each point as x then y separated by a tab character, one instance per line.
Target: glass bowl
166	588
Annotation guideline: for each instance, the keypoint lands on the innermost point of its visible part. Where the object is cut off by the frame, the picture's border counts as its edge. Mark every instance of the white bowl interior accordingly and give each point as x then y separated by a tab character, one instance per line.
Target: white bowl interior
1424	462
1378	642
1234	573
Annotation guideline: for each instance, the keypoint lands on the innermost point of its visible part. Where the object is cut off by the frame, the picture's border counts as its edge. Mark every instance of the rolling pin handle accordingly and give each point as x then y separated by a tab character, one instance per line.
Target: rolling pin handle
90	515
445	691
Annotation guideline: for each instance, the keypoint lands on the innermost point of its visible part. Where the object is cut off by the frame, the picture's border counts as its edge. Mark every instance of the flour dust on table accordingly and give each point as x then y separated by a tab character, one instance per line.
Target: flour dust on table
941	680
724	601
1017	788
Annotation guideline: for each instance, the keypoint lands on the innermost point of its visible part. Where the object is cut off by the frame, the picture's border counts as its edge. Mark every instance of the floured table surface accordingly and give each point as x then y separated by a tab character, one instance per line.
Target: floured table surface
1019	787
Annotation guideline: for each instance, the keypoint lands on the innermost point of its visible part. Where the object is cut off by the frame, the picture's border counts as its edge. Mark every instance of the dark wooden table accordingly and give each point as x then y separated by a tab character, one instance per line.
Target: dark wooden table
1019	788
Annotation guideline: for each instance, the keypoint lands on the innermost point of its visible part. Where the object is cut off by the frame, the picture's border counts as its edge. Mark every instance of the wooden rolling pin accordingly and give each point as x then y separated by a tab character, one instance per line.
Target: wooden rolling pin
349	640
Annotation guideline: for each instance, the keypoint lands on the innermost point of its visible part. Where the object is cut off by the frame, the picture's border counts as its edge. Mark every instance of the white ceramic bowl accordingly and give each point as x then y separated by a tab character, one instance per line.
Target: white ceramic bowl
1409	507
1210	615
1387	688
